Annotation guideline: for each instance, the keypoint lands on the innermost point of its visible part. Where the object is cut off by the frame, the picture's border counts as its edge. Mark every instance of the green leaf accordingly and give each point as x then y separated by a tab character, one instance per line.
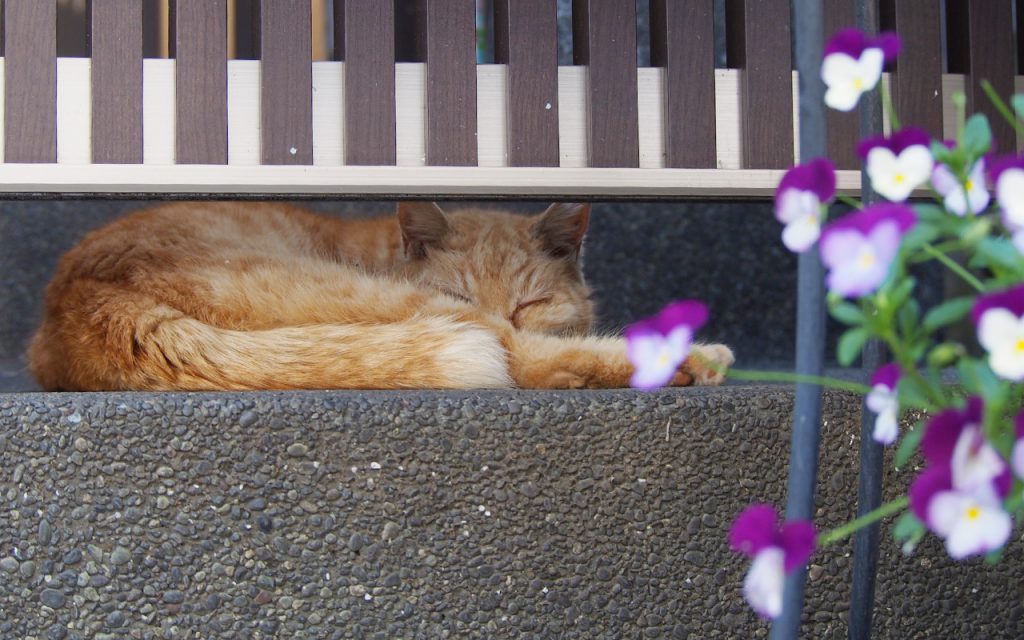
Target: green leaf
947	313
901	291
1017	102
977	135
977	378
908	531
847	313
910	314
913	393
922	233
998	252
949	157
993	557
850	345
909	443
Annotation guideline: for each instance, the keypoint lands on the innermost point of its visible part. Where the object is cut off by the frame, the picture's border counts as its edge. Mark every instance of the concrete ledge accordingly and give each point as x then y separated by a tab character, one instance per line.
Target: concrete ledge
431	515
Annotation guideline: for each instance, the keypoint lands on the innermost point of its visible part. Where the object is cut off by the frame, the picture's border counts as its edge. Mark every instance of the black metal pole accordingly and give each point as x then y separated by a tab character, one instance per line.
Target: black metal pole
808	28
869	484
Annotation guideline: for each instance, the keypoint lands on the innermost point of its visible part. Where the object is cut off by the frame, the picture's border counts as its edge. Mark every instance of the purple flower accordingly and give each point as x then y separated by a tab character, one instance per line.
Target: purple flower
884	402
859	249
776	551
658	345
898	164
957	197
853	64
999	318
959	495
1017	462
799	199
1008	178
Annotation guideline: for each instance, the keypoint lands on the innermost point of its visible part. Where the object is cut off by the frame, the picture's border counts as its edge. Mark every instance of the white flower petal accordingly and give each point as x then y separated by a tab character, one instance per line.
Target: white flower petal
845	81
896	176
974	464
1001	333
887	427
797	203
800	234
1010	195
1018	241
763	584
981	528
1017	461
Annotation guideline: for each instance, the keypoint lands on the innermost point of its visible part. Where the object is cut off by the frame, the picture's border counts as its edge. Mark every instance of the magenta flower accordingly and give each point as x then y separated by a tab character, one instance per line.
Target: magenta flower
853	64
776	551
1017	462
1008	178
959	495
999	318
959	198
898	164
802	193
658	345
883	401
859	249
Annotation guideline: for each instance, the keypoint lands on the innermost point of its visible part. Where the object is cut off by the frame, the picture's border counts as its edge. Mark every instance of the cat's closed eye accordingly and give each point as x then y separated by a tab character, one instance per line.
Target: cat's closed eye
523	305
451	293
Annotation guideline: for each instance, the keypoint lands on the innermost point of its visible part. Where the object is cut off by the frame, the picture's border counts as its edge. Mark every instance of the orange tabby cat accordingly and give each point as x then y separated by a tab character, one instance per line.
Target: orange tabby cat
270	296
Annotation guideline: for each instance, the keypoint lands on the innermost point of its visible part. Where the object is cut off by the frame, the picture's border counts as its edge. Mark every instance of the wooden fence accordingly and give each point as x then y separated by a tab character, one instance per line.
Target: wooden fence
364	125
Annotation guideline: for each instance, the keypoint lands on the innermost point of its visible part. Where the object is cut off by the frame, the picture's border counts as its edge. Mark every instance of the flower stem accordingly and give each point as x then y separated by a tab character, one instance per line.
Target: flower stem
964	274
853	203
783	376
1001	107
890	110
871	517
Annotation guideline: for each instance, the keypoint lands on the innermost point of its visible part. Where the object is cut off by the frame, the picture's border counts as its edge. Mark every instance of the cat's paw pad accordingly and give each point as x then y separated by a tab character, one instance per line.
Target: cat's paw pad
708	363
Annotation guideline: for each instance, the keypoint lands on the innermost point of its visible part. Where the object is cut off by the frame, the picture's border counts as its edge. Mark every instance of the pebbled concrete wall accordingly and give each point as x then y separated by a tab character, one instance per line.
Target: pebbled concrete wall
428	515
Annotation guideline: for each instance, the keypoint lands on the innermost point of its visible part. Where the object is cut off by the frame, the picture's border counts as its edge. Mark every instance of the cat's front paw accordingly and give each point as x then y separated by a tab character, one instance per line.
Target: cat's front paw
708	363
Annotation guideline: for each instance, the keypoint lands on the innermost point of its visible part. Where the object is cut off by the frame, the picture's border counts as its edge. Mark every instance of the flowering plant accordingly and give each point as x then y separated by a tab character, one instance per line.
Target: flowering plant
971	490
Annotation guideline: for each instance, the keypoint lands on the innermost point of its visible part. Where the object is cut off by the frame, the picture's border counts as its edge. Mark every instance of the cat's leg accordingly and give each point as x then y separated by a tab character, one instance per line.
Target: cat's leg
538	361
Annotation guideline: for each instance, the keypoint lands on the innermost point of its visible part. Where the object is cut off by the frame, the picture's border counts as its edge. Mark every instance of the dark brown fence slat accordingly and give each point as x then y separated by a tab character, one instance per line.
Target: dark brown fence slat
917	77
115	32
525	39
30	81
286	93
843	128
451	82
683	42
604	39
367	38
758	39
199	41
981	45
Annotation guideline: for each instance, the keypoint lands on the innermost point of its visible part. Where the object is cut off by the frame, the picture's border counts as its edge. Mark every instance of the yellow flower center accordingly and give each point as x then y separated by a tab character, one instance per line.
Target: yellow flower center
663	358
858	84
973	512
867	260
1020	346
899	178
969	185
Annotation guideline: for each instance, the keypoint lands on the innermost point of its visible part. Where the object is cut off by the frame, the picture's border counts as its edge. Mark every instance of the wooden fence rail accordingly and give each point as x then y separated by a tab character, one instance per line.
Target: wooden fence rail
363	124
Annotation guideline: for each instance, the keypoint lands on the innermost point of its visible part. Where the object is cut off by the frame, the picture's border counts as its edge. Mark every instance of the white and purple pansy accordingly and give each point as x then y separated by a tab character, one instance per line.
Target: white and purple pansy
803	192
859	249
658	345
959	496
999	318
898	164
776	551
884	402
853	65
960	198
1008	178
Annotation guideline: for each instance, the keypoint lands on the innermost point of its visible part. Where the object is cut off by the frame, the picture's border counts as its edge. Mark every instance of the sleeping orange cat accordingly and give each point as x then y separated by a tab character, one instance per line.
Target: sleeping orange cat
192	296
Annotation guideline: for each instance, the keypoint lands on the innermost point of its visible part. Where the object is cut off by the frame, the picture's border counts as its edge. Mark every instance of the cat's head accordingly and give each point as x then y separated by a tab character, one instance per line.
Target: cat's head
523	268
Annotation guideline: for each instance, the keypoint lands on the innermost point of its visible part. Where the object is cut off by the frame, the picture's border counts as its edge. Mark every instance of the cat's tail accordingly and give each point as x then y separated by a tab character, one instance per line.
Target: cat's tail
178	352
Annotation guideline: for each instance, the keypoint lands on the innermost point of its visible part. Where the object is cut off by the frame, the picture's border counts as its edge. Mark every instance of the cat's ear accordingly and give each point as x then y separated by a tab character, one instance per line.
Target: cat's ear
560	229
424	226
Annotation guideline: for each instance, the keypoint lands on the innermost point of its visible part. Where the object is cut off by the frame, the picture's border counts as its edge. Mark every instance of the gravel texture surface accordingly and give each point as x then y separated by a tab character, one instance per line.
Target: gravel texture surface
429	515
